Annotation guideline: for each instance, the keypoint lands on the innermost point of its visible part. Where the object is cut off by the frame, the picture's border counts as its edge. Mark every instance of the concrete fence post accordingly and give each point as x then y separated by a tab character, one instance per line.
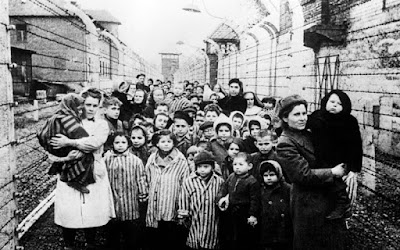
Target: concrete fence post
8	206
36	110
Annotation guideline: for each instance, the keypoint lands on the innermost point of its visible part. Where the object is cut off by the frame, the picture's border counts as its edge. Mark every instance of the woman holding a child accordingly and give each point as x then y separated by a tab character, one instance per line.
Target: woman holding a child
76	210
311	201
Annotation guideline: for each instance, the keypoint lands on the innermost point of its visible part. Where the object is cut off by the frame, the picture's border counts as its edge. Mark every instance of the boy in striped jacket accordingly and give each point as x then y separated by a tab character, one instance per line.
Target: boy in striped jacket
197	203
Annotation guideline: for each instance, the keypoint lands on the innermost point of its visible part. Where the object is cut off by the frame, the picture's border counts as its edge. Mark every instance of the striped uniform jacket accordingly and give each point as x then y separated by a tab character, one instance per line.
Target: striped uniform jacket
128	181
178	103
198	201
164	187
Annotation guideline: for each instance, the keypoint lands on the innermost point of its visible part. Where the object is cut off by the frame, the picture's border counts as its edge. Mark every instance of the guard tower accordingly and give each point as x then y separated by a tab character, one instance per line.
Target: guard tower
169	64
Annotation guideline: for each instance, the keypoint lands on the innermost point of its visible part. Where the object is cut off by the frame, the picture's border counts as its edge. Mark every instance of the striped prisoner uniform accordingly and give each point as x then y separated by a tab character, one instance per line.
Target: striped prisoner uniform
165	181
198	201
128	182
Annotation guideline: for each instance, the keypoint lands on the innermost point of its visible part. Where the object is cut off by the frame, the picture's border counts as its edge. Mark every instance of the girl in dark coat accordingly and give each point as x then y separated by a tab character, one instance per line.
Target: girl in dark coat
235	100
336	139
276	222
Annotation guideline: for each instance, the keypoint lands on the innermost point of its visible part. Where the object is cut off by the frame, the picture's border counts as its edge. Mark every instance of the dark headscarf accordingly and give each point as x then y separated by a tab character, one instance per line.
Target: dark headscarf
69	105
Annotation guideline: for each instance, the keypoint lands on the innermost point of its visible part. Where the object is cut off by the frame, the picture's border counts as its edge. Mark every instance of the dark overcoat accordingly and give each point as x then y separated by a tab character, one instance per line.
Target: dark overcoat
311	200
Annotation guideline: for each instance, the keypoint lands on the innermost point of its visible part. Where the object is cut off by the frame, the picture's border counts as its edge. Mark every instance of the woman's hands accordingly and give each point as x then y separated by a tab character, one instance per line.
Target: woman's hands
339	170
351	182
60	141
72	155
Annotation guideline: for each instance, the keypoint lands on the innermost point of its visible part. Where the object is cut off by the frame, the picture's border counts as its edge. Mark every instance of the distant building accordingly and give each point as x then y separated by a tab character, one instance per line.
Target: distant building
22	73
169	64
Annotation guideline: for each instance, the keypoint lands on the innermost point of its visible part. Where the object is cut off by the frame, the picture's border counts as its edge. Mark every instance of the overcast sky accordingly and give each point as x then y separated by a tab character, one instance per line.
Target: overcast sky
153	26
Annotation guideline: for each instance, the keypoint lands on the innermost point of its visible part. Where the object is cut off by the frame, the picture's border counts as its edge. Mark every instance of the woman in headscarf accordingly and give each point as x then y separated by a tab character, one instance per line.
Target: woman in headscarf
254	105
72	209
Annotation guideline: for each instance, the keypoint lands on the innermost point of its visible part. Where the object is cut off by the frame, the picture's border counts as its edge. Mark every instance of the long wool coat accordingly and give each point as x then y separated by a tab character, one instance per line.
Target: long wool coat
310	199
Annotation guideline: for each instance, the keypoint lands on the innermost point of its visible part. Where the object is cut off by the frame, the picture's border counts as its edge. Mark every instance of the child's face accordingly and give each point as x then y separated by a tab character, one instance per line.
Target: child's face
178	89
237	122
211	116
137	138
224	132
120	144
199	120
270	178
181	127
138	97
234	89
161	109
254	130
209	133
264	144
165	143
214	99
194	100
199	90
161	122
158	95
113	111
204	170
240	166
233	150
334	105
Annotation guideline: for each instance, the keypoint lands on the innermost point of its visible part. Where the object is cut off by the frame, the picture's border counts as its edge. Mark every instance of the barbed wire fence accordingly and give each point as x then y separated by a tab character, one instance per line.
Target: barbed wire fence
26	188
269	71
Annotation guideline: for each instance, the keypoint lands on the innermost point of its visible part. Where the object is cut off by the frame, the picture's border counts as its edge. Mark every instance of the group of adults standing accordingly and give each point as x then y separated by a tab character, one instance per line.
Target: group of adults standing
310	200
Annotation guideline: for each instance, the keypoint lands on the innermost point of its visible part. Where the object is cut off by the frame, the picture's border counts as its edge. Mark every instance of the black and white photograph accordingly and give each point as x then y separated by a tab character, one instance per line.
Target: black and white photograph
199	124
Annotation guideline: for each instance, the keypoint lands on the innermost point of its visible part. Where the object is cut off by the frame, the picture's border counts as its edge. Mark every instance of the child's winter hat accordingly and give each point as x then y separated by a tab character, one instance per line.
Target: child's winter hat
206	125
222	119
237	113
140	127
190	109
271	165
204	157
184	116
344	99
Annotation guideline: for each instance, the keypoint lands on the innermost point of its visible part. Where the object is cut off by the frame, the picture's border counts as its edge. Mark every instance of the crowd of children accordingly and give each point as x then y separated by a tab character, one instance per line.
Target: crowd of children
190	171
187	170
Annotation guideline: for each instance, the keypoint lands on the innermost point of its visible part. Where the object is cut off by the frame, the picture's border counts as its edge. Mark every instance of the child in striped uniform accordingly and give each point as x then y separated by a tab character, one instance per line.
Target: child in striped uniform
179	101
129	187
166	170
197	203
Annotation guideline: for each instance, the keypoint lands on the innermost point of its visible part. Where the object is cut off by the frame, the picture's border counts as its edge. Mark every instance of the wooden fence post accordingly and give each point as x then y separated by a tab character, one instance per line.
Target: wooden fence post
8	206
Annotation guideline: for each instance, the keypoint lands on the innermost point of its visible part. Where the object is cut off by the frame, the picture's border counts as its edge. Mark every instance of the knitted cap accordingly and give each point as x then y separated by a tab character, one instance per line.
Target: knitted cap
204	157
184	116
287	103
